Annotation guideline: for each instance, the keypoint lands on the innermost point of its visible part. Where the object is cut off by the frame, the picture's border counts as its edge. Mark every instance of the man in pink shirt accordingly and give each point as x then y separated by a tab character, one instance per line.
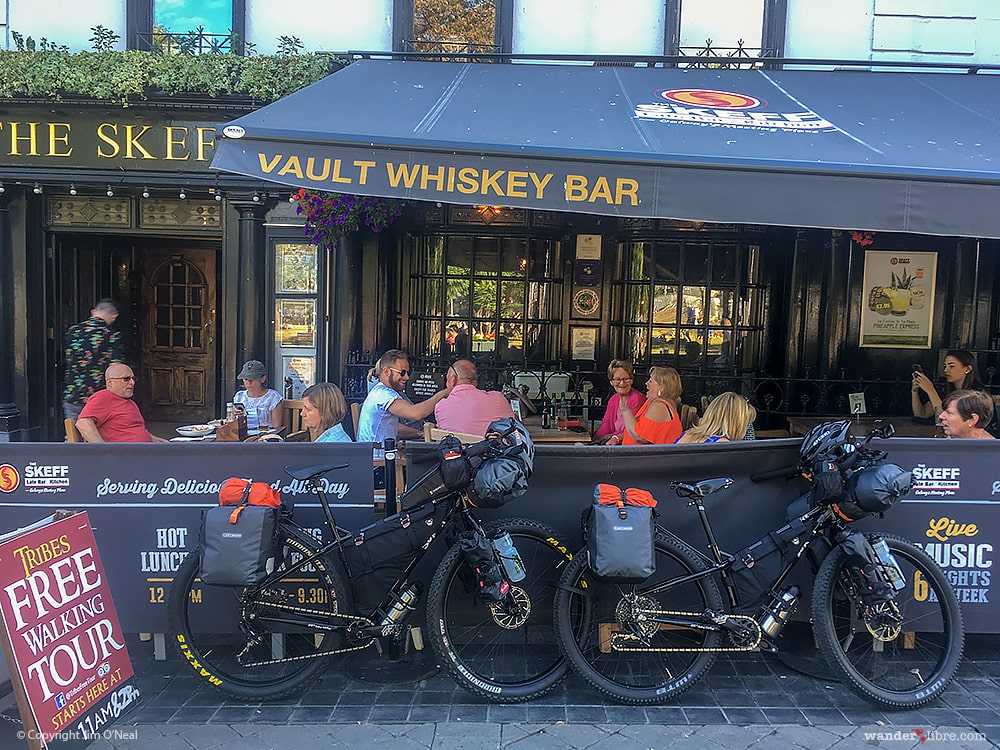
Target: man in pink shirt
469	409
110	415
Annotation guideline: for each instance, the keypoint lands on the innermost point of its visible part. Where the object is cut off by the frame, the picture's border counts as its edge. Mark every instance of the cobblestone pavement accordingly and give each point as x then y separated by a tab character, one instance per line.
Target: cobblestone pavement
746	701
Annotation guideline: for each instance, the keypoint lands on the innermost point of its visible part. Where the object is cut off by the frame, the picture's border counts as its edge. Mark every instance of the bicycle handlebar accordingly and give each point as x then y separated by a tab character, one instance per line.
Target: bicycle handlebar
489	443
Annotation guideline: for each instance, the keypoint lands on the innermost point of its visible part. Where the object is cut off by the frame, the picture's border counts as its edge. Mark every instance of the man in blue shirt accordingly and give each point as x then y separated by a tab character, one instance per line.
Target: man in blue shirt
385	404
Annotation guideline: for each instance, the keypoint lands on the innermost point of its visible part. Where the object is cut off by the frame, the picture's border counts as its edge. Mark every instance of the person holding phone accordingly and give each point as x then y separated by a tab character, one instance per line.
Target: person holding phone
959	374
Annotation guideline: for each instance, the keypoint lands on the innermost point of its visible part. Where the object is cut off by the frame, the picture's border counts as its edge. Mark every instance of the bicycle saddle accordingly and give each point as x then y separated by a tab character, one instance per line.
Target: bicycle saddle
701	489
305	473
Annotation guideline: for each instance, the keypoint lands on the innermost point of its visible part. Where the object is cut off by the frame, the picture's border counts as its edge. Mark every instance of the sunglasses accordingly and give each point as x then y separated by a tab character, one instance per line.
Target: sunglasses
126	378
401	373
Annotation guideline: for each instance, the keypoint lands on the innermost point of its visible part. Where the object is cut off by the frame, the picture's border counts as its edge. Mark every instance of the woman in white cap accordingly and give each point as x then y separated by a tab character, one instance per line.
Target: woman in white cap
258	396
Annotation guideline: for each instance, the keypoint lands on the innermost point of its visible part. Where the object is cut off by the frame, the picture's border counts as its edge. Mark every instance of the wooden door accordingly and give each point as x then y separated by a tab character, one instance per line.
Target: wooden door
179	363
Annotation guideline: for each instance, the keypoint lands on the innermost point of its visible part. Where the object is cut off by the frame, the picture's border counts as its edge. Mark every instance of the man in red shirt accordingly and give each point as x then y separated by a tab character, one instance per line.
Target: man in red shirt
110	415
468	409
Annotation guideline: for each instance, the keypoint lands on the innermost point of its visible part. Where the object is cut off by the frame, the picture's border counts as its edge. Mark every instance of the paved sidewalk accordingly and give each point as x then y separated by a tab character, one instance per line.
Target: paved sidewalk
746	701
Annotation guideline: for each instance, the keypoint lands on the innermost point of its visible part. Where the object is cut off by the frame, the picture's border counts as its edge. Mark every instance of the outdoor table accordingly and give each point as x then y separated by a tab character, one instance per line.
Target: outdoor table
904	426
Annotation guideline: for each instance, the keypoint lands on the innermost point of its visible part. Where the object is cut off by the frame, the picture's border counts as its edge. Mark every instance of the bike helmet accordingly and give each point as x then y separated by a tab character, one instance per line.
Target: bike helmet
827	439
873	490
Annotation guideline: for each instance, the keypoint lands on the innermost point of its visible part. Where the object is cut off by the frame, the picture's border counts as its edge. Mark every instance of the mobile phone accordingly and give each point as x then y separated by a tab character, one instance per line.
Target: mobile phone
918	368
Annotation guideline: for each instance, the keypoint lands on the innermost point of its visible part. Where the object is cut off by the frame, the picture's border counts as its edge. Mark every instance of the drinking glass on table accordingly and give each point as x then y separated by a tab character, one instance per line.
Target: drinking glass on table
562	417
263	418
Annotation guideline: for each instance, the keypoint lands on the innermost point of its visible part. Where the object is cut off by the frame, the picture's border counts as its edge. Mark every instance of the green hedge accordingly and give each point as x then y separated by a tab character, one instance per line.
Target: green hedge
131	76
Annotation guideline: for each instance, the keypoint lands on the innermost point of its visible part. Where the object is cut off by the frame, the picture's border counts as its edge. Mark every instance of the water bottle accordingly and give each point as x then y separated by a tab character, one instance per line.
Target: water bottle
513	565
889	564
230	412
401	608
780	610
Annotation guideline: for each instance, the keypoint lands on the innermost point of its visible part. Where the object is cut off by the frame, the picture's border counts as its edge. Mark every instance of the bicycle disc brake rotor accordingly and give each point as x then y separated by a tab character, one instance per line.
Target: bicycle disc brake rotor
883	621
513	610
632	614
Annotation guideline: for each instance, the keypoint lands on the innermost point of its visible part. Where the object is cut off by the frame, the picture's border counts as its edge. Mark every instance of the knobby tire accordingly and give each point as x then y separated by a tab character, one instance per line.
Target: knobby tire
590	611
902	672
207	627
508	654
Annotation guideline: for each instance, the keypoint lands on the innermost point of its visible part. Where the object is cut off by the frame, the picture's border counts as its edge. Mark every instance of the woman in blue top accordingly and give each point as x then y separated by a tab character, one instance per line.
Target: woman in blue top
726	418
323	408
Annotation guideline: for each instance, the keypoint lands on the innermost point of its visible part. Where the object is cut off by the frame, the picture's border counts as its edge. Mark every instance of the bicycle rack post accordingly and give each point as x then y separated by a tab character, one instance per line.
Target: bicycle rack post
390	476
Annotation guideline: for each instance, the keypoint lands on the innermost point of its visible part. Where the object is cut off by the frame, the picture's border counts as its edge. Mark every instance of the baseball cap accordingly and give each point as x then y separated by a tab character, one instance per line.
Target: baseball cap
252	370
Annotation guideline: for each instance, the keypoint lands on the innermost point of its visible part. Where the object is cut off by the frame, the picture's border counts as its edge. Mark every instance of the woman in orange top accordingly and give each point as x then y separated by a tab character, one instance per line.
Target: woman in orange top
656	422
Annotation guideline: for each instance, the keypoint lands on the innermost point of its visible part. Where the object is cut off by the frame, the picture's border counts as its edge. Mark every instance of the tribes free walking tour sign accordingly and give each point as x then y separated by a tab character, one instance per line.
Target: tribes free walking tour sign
61	637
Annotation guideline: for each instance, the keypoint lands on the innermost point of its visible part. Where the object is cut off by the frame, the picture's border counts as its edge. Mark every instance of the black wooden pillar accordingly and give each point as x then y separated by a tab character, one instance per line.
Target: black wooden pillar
251	288
10	415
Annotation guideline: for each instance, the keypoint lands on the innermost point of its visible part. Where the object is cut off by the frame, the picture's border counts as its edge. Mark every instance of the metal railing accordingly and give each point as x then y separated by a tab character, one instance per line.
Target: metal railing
197	42
739	57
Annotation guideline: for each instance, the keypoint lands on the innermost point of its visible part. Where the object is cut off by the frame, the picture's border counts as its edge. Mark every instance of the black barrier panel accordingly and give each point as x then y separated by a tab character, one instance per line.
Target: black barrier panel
960	530
145	501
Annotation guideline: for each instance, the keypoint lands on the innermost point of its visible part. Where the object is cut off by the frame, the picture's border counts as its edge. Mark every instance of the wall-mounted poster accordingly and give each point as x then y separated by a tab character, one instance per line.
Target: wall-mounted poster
898	304
583	342
302	371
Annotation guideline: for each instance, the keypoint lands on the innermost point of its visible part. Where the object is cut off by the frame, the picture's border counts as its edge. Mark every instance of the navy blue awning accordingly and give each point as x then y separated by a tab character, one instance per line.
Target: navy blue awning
876	151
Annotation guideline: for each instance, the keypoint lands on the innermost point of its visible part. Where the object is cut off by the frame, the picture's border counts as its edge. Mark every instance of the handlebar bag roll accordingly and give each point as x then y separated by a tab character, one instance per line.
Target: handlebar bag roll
504	474
619	529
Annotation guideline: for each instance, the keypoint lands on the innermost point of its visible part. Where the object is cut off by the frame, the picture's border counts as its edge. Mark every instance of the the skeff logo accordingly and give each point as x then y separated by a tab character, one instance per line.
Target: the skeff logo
710	98
709	108
9	478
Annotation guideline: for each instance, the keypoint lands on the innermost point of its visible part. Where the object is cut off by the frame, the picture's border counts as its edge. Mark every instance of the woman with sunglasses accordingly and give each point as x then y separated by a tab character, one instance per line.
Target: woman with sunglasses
620	375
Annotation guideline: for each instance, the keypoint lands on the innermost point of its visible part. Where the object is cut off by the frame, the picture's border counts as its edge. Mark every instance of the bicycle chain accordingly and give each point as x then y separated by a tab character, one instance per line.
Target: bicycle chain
306	611
627	636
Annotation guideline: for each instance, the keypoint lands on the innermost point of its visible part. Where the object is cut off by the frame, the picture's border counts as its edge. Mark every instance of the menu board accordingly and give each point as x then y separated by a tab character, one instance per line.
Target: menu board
898	299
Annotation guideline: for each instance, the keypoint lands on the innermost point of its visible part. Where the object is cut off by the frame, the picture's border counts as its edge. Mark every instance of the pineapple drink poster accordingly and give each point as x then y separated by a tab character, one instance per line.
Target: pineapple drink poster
898	300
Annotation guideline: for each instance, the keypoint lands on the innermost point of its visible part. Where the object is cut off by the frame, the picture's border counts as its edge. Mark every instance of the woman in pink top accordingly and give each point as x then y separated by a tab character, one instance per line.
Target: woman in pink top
620	373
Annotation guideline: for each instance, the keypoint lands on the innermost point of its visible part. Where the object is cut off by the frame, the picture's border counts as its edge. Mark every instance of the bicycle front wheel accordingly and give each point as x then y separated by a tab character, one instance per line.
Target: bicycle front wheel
504	651
230	638
625	640
900	654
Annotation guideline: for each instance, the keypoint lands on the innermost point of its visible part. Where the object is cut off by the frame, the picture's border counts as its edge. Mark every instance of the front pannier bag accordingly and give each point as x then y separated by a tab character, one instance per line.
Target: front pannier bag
619	529
237	538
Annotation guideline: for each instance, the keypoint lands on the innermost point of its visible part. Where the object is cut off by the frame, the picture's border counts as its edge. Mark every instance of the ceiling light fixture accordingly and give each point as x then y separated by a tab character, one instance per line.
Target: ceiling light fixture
2	189
256	197
72	189
109	192
37	190
182	194
218	195
145	191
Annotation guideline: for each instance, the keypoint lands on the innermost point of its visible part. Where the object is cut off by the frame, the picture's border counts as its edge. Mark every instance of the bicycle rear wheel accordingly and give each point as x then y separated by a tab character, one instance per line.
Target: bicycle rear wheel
505	651
899	655
592	616
223	634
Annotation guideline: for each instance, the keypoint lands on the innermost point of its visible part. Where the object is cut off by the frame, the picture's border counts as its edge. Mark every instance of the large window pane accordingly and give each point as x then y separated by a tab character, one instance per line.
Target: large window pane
295	268
664	304
484	297
459	256
457	298
182	16
636	261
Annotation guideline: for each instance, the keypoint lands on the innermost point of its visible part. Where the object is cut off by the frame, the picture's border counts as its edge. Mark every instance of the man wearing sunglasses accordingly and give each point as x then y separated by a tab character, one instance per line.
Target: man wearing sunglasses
110	415
386	403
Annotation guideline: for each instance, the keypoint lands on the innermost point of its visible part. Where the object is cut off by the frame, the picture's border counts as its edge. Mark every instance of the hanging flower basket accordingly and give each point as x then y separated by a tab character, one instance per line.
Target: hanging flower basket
329	216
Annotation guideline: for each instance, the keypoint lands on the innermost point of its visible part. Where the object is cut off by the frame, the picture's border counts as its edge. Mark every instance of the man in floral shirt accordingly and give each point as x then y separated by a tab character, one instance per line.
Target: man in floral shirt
90	347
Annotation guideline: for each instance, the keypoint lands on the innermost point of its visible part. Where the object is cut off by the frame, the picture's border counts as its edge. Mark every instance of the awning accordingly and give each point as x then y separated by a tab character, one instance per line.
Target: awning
875	151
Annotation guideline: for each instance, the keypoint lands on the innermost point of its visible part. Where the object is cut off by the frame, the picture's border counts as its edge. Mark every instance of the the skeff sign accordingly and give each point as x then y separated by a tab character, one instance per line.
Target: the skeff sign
61	629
